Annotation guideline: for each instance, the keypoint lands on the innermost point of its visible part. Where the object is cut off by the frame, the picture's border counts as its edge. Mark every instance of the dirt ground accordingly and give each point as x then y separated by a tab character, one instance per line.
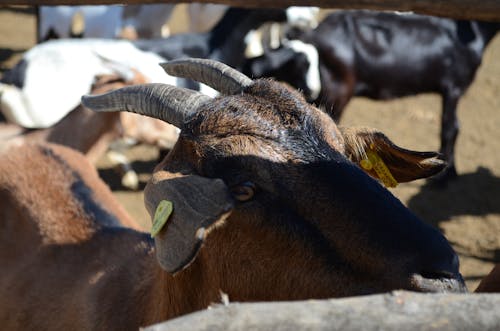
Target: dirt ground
467	210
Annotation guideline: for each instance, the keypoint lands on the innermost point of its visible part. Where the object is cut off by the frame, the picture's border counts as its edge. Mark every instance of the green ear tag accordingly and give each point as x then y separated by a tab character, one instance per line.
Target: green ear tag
162	214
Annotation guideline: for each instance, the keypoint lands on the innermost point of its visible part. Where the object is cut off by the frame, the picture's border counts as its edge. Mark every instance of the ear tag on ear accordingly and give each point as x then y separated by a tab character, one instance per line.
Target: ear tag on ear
162	214
366	164
375	162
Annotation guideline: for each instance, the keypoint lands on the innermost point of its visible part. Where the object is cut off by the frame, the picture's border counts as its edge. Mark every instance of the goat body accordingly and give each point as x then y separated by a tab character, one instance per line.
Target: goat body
490	283
89	132
56	209
224	43
294	62
92	133
269	204
388	55
50	79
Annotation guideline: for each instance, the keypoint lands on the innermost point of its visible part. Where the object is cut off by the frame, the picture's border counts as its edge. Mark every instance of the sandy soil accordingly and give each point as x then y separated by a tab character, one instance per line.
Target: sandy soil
467	210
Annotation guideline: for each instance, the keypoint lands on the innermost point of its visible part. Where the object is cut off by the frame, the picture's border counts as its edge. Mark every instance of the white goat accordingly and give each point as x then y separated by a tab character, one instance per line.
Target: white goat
55	74
299	17
47	85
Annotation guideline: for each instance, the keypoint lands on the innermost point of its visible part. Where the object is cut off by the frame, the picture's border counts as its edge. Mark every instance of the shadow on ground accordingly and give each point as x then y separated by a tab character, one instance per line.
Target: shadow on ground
475	194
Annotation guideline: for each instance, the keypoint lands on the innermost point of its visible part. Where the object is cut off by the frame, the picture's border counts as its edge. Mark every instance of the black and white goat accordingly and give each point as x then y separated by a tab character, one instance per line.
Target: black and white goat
388	55
228	41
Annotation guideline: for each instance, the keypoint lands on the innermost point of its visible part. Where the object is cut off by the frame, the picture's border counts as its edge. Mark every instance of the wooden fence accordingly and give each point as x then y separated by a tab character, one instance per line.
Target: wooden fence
459	9
395	311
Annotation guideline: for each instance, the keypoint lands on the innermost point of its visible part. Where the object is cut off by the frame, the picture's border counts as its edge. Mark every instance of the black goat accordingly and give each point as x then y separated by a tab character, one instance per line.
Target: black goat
293	62
388	55
224	43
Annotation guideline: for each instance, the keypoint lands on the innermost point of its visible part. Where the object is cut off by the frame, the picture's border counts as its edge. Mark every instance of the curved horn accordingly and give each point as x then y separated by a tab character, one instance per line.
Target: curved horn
165	102
215	74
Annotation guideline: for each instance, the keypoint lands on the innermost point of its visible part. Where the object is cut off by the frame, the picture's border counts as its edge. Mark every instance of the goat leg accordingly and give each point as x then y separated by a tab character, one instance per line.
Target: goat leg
449	134
336	91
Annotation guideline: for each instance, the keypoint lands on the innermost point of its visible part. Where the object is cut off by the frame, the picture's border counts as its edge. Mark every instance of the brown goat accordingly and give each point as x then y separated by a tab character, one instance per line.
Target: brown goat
267	206
92	133
490	283
84	130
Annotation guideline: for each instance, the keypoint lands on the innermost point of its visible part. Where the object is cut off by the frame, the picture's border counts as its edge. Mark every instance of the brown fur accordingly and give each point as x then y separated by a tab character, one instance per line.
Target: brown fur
405	165
91	133
87	131
148	130
66	266
490	283
45	228
246	126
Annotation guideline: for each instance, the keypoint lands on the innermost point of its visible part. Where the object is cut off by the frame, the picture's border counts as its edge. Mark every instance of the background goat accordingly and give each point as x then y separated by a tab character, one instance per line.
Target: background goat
43	91
387	55
48	82
239	177
225	42
490	283
229	39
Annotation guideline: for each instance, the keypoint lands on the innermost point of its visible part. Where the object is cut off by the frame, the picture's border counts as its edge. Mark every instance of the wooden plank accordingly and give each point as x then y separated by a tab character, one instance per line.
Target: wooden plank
458	9
394	311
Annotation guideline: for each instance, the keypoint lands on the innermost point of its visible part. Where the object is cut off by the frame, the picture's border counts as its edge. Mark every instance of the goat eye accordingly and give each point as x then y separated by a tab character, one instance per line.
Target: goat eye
244	191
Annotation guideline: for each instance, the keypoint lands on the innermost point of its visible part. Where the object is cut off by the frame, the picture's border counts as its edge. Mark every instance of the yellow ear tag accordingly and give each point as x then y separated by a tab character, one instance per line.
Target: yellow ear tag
366	164
162	214
374	161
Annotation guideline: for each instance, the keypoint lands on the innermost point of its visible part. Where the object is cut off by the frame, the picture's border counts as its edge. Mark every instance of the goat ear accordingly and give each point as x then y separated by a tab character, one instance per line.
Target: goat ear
199	204
367	147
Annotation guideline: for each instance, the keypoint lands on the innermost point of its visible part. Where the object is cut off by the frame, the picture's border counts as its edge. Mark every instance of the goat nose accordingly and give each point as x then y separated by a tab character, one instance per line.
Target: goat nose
440	268
443	257
440	273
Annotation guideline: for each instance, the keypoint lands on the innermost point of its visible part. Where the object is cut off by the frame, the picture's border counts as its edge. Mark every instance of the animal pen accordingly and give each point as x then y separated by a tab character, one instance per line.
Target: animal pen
399	310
